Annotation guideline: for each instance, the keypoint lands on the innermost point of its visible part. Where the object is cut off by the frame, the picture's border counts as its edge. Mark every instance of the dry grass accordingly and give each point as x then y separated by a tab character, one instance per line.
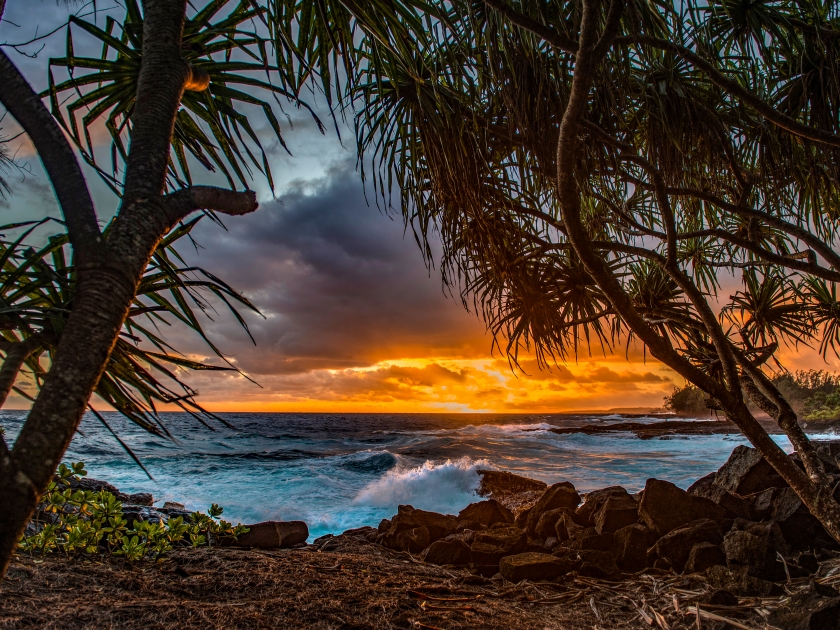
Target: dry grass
355	585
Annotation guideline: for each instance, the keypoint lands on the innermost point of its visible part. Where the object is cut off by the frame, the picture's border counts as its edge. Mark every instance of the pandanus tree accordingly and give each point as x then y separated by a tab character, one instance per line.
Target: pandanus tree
176	90
606	171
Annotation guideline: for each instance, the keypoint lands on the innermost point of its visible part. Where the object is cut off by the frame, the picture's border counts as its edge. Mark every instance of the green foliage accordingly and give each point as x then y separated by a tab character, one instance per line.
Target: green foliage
687	400
83	521
823	407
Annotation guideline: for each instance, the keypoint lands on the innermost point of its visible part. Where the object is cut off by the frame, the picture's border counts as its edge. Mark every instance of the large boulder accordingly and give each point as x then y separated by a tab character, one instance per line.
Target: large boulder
675	546
665	507
630	545
594	500
448	552
747	472
752	553
616	512
486	513
536	567
408	518
704	556
740	583
547	525
499	483
591	540
735	506
799	527
491	545
559	495
568	526
413	540
272	535
598	564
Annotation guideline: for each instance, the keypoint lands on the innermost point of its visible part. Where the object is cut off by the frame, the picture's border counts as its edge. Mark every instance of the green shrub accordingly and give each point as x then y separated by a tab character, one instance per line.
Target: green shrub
823	407
687	400
84	521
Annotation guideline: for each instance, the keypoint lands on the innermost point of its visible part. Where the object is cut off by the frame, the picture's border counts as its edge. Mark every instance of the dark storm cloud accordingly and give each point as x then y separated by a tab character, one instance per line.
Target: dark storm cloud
339	282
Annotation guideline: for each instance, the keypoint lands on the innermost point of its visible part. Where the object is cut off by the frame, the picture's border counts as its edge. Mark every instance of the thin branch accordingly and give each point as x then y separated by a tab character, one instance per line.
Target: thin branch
551	36
16	355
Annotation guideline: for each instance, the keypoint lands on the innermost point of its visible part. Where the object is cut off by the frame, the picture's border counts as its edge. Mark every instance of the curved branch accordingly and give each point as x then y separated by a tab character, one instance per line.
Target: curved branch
551	36
58	159
180	204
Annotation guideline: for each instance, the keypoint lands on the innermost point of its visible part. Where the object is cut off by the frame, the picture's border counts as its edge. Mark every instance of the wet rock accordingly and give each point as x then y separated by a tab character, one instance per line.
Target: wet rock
598	564
547	525
704	556
486	513
665	507
559	495
753	553
616	512
594	501
491	545
272	535
437	525
676	545
455	552
413	540
536	567
808	610
498	482
630	545
747	472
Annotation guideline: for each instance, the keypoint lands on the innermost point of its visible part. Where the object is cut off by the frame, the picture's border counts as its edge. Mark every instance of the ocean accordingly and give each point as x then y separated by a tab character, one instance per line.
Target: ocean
338	471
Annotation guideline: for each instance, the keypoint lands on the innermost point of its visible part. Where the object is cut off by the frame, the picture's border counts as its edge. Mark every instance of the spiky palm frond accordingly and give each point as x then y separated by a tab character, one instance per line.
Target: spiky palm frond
37	287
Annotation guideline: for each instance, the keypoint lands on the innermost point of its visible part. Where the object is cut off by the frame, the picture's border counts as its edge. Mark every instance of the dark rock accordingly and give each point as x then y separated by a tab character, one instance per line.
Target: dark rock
469	525
747	472
738	582
807	610
551	542
768	529
455	552
486	513
366	533
598	564
559	495
807	561
132	514
547	525
761	503
799	527
407	518
665	507
735	506
704	556
616	512
568	526
497	482
676	545
535	546
384	525
537	567
272	535
594	501
756	554
142	498
413	540
630	545
594	541
720	597
466	535
492	545
700	486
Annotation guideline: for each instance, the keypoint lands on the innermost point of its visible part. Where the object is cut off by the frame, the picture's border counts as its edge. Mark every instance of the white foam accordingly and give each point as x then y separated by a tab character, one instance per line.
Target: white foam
440	487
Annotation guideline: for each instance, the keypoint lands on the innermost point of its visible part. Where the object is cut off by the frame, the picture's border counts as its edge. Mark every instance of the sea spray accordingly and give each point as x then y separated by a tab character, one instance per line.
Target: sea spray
440	487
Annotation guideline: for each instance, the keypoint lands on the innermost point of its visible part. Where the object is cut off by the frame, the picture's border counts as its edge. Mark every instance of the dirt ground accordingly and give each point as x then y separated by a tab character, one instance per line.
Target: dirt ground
353	586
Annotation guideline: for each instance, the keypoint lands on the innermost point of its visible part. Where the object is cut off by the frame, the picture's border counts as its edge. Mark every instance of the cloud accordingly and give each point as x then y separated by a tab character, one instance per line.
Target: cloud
340	284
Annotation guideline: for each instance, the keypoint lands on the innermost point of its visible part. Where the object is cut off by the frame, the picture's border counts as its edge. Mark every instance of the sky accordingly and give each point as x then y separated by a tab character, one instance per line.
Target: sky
352	320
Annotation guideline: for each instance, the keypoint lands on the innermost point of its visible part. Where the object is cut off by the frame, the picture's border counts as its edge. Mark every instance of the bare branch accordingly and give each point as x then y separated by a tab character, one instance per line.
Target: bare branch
180	204
16	355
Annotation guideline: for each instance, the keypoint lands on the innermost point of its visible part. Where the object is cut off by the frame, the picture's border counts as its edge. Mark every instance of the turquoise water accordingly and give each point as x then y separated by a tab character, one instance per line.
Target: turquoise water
337	471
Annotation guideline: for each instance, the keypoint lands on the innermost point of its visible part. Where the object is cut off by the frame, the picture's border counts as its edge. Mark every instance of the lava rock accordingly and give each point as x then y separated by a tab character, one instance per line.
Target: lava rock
569	526
537	567
594	501
747	472
493	544
665	507
598	564
455	552
272	535
676	545
591	540
486	513
437	525
384	525
616	512
559	495
499	482
547	525
735	506
704	556
756	554
413	540
799	527
808	610
630	545
740	583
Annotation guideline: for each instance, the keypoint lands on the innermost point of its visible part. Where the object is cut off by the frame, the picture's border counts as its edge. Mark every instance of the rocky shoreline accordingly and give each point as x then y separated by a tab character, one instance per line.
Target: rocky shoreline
737	544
